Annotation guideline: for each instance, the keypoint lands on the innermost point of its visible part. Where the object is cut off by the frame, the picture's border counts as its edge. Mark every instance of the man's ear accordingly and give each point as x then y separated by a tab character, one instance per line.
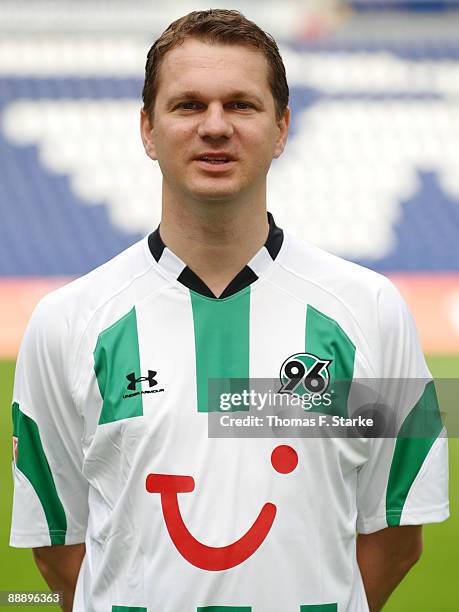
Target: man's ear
146	132
283	125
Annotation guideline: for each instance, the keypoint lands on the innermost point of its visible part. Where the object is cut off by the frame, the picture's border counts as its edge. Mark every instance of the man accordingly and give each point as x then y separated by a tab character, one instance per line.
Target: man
114	469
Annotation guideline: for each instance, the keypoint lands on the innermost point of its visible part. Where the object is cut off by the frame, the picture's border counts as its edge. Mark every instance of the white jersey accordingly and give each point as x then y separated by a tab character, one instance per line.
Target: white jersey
111	443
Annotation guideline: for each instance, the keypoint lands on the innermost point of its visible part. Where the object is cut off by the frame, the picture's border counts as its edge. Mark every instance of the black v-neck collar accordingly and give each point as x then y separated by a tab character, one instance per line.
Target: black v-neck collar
250	273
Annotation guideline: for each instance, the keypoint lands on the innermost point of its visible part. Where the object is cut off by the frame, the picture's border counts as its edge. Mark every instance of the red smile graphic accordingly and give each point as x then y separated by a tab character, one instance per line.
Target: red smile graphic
284	460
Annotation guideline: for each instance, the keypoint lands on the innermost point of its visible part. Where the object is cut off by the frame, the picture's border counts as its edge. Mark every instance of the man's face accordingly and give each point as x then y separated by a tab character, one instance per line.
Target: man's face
214	101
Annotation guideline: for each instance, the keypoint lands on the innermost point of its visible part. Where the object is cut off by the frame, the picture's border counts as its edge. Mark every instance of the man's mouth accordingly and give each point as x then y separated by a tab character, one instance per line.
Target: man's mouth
215	159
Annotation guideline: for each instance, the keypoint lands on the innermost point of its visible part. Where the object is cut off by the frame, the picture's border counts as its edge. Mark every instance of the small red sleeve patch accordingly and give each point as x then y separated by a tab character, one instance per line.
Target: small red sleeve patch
15	449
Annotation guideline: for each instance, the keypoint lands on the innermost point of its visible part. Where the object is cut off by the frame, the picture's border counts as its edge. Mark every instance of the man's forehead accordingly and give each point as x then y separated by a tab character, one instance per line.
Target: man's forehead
188	67
195	54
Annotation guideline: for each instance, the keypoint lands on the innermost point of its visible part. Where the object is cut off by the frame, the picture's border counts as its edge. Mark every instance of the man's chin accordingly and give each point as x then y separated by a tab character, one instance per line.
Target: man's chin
215	195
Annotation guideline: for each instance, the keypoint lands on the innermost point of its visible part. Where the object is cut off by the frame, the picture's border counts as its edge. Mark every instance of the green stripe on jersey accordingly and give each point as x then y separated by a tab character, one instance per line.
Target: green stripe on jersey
320	608
128	609
419	431
117	355
221	335
327	340
32	462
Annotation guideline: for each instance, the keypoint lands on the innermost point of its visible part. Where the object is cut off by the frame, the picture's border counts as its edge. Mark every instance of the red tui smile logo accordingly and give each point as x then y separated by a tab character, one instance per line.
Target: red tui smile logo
284	460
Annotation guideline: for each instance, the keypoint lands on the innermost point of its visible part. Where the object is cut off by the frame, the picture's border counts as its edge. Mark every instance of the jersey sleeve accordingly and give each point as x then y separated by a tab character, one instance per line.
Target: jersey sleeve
405	478
50	502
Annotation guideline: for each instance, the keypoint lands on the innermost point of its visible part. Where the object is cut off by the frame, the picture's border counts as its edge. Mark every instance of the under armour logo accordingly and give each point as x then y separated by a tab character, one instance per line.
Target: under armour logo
133	380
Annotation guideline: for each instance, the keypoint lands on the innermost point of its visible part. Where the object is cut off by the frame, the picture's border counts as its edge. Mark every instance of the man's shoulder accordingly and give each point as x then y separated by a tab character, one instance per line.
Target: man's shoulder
364	304
331	273
126	277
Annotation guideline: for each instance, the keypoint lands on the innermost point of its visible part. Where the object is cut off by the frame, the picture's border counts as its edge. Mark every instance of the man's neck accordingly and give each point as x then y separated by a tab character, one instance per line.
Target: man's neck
217	240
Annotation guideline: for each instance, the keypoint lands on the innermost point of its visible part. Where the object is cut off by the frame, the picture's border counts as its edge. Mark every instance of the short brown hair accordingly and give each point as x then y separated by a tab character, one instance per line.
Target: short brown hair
216	26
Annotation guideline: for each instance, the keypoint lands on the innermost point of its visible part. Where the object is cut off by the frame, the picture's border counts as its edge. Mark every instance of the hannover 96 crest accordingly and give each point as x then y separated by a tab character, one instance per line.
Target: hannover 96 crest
304	373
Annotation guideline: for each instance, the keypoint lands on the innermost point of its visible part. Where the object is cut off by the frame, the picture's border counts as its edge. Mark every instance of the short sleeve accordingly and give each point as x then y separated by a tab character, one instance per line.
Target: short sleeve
50	503
404	480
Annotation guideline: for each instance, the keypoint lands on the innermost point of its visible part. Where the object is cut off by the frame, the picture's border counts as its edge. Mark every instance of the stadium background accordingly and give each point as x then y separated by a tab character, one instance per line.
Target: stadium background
371	173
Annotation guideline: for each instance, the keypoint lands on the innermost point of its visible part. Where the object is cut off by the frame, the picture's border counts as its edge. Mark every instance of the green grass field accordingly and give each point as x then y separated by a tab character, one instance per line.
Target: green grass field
431	586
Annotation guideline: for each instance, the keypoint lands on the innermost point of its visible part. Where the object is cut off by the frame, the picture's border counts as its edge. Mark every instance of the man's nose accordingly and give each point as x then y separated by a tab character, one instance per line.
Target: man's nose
215	123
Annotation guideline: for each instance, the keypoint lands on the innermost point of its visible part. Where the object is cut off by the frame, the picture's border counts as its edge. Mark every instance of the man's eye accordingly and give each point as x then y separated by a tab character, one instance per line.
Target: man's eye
242	105
188	105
